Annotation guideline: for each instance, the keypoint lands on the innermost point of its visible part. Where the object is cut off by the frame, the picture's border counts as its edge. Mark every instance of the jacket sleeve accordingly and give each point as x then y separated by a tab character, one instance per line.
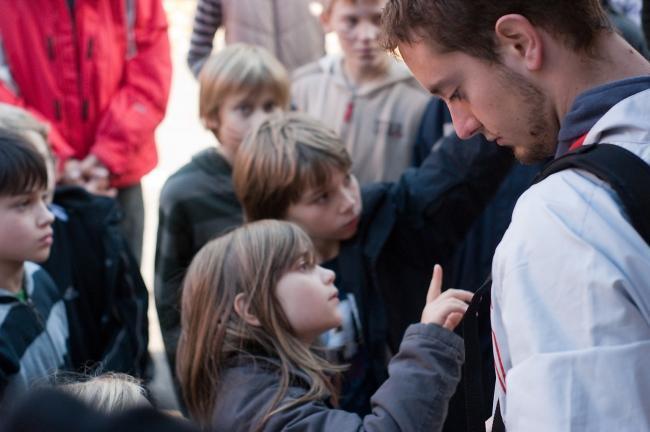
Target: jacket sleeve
437	203
432	127
207	19
173	255
139	105
423	376
9	360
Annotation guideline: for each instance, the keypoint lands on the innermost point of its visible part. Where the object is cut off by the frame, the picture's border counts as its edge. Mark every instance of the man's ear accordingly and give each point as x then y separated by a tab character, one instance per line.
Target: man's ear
242	307
519	42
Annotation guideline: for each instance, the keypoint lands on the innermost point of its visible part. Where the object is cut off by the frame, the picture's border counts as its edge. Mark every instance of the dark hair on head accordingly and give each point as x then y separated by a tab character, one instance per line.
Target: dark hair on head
468	25
22	169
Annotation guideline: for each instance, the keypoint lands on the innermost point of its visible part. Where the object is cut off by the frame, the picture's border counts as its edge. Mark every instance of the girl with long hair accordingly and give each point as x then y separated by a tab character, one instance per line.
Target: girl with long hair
254	302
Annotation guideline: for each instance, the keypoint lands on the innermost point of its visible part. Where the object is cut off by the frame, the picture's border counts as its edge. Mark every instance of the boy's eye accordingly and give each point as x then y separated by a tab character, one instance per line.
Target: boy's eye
245	109
322	198
351	21
269	106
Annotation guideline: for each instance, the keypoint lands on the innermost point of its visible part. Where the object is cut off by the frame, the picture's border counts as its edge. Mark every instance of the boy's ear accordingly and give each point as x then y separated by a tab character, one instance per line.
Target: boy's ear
242	307
211	124
325	18
520	43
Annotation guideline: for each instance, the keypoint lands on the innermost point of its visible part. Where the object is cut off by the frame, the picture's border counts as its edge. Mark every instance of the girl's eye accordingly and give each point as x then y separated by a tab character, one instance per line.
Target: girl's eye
304	266
348	179
269	106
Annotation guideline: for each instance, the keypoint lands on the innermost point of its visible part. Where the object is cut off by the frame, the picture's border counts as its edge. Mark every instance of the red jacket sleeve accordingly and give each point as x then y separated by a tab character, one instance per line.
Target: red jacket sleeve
139	105
59	145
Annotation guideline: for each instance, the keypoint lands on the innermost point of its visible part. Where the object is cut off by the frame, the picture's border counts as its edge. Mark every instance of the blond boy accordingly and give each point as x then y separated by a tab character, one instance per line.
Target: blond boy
238	86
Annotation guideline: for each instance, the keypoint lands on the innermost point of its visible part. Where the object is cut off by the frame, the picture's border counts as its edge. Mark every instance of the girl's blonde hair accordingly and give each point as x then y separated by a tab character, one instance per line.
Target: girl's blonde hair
249	260
110	392
240	67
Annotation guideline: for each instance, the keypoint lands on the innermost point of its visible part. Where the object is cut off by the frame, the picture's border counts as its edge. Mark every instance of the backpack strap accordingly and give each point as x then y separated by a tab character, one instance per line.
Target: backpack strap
624	171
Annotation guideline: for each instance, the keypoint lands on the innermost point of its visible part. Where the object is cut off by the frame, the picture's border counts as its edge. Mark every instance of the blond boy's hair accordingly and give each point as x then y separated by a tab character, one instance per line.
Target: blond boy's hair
110	392
280	159
23	123
240	67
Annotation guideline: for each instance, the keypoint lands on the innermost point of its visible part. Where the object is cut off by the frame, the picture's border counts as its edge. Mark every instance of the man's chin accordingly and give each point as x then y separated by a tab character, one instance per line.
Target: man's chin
527	157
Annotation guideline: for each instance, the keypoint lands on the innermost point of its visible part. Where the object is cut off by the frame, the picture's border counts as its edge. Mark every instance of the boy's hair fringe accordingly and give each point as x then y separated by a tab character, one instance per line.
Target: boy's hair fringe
280	159
249	260
22	169
240	67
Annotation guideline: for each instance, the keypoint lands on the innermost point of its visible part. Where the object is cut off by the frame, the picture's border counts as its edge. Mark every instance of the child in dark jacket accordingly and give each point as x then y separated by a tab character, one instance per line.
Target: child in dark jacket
237	86
381	241
254	302
33	320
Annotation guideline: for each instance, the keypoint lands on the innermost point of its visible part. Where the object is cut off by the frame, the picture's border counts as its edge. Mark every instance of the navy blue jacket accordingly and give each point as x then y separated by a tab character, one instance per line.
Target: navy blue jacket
406	227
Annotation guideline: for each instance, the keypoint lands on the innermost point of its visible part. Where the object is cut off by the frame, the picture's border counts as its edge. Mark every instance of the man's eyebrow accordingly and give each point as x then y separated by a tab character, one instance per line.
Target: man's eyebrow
437	88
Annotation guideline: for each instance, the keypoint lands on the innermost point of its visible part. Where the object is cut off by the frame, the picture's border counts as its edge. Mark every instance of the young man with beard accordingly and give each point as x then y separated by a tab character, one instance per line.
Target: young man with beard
570	293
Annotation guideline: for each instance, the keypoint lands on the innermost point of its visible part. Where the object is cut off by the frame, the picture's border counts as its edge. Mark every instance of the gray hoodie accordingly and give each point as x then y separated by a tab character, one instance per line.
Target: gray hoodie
378	121
423	376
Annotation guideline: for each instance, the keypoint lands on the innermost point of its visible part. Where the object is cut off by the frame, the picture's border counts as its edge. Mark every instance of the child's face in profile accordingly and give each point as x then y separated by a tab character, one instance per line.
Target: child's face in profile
238	113
309	300
329	213
356	23
25	227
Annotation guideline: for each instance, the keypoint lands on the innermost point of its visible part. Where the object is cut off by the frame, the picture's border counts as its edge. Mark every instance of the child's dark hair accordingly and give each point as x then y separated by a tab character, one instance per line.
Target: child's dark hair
22	169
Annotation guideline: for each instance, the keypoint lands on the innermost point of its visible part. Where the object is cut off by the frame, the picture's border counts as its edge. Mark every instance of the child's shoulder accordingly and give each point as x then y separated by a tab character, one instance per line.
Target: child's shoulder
207	170
314	70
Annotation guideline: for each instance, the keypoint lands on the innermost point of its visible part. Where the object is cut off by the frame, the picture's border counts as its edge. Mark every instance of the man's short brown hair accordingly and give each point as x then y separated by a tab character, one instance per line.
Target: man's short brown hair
468	25
280	159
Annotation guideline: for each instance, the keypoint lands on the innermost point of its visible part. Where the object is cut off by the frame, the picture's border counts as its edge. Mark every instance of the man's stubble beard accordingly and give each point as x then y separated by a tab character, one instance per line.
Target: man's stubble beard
542	125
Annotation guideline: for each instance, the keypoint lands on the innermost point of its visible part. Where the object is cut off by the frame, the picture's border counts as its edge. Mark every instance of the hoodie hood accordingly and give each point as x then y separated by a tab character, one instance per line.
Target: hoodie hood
397	72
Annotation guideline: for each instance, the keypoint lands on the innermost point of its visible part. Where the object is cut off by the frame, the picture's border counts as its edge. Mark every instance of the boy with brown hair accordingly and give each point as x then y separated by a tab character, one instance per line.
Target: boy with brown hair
381	241
570	298
368	97
33	320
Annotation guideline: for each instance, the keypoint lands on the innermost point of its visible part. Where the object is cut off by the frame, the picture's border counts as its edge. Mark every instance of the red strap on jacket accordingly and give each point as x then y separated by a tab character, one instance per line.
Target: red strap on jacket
578	143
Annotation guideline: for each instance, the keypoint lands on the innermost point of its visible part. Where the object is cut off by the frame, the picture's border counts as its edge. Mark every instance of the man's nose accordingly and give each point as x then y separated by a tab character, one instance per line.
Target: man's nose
465	123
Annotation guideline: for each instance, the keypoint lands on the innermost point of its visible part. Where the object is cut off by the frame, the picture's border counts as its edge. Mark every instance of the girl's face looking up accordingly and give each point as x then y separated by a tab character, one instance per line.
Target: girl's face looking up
309	299
238	113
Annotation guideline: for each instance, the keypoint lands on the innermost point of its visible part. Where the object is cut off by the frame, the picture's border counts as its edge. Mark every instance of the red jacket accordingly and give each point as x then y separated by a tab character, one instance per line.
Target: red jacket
101	79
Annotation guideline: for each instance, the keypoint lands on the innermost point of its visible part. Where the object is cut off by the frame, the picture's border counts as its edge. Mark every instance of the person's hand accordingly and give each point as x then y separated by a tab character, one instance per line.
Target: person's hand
446	309
72	174
96	177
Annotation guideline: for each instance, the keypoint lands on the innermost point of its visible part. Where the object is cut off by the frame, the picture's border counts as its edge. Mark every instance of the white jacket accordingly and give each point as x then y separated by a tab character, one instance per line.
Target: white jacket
571	299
